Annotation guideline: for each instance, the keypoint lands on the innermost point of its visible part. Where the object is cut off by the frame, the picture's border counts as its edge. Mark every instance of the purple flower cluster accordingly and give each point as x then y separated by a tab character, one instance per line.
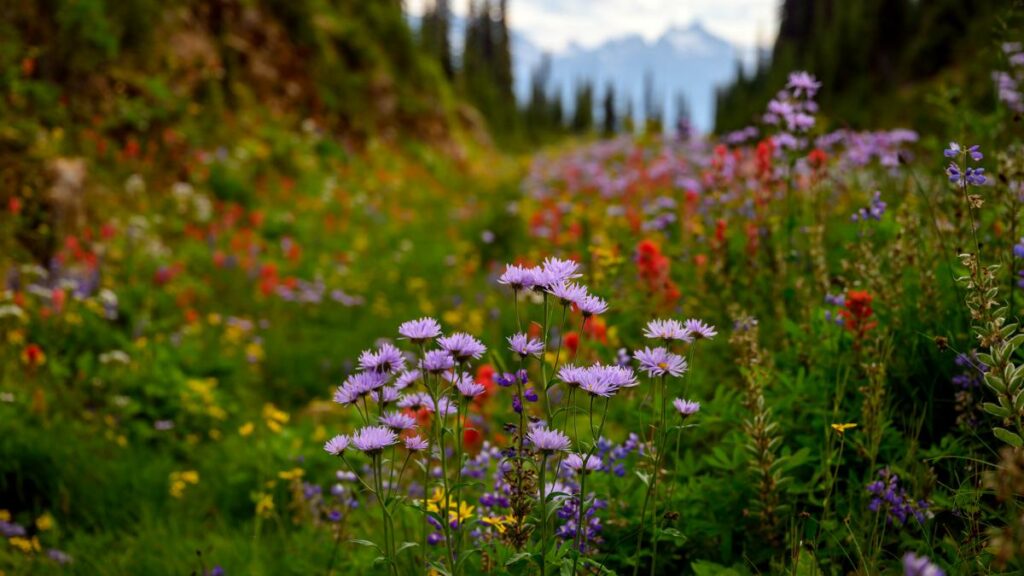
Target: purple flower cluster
964	175
914	565
873	211
1018	252
687	331
792	110
599	379
973	374
1009	83
569	514
554	277
889	497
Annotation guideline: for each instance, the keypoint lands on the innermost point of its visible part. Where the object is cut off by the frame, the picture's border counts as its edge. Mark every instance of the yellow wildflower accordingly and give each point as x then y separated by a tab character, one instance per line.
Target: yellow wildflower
264	504
842	428
44	522
245	429
293	474
498	522
5	516
23	544
254	351
274	417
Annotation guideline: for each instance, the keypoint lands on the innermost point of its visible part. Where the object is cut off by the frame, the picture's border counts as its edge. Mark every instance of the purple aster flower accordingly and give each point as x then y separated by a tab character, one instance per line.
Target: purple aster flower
591	305
577	464
547	440
568	292
524	345
803	83
462	346
468	387
437	361
11	529
619	376
415	444
660	362
914	565
686	407
698	329
415	401
373	439
406	379
419	331
61	557
556	270
398	421
385	360
517	277
335	446
596	383
445	407
386	395
359	385
572	375
666	330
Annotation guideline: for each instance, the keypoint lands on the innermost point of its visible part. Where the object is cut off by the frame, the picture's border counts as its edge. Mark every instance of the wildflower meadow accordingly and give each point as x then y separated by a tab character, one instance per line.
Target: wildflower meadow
277	298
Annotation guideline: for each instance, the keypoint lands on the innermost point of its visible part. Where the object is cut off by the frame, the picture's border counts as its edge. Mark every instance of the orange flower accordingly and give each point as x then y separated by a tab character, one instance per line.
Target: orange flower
33	356
817	158
857	313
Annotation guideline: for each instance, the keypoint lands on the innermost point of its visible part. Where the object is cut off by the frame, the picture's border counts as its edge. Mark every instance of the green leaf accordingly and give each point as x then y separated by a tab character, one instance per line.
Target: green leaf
1009	437
406	546
673	534
518	558
367	543
996	410
806	565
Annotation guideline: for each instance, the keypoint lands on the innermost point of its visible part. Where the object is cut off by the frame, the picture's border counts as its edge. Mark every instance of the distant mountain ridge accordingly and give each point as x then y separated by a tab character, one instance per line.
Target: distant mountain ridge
687	60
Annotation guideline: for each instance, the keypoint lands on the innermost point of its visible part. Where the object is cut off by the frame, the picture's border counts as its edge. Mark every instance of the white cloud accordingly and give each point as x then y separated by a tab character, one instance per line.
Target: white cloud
555	24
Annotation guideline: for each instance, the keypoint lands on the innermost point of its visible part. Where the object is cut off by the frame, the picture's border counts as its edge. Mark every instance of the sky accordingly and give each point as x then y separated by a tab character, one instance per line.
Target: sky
555	24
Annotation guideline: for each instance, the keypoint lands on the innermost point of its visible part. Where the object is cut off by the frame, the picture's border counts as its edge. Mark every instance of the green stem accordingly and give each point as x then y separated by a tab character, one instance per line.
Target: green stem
543	515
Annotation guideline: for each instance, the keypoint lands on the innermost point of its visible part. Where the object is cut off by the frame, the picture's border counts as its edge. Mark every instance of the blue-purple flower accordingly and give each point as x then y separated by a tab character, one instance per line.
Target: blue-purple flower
373	439
685	408
415	444
398	421
517	277
660	362
358	385
578	464
337	445
547	440
666	330
591	305
419	331
437	361
385	360
698	329
914	565
462	346
524	345
568	292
